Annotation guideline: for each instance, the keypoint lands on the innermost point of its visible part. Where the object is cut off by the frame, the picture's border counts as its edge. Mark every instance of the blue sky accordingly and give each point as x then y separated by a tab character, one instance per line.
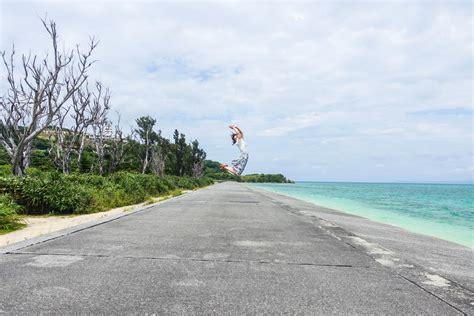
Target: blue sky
330	91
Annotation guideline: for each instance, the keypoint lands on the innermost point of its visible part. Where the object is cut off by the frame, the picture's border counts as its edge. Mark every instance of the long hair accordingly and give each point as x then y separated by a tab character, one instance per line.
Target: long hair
240	131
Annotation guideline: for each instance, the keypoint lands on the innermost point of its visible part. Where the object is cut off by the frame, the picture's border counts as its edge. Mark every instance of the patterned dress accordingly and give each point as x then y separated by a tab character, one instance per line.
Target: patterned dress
240	163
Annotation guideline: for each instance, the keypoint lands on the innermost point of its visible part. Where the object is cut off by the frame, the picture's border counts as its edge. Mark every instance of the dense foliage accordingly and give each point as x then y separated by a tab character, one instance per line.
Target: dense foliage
56	193
144	150
9	218
128	170
263	178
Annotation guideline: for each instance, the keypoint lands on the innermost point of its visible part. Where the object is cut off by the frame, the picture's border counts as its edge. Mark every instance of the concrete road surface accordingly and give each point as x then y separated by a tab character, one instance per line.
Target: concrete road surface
223	249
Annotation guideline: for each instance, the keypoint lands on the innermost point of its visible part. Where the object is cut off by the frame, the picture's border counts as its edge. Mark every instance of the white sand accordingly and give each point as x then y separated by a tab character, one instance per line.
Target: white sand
41	225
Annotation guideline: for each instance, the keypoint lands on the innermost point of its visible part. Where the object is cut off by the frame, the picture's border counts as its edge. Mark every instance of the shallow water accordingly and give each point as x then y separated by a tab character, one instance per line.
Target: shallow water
445	211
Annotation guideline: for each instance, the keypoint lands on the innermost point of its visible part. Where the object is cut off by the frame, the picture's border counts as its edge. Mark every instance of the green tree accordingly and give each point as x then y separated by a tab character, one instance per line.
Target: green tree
180	151
132	156
196	161
148	138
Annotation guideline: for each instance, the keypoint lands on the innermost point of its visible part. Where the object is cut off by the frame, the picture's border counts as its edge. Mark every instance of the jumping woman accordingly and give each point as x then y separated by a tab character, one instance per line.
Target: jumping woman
238	165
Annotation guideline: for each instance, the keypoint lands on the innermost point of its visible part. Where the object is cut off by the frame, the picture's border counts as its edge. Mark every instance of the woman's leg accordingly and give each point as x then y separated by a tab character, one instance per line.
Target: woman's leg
226	167
231	170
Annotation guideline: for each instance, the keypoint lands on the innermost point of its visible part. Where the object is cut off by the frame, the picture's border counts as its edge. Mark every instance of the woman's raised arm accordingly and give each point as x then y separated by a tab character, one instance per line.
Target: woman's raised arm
237	130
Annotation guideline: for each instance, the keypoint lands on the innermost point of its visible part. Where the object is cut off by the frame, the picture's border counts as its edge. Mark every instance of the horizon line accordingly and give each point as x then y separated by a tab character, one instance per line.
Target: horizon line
471	182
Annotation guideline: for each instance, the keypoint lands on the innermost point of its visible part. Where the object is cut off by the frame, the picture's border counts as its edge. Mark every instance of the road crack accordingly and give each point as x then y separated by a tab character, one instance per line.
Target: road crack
273	262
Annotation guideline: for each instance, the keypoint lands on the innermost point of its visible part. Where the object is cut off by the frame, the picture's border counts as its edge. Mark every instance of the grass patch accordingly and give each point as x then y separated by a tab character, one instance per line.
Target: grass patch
176	193
17	227
150	201
164	197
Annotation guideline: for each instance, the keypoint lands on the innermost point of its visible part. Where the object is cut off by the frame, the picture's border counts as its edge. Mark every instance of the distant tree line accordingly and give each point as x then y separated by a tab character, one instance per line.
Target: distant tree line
213	171
52	117
265	178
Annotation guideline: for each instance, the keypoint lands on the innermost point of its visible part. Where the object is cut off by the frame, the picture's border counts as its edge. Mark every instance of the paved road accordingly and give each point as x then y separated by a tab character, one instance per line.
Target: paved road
226	248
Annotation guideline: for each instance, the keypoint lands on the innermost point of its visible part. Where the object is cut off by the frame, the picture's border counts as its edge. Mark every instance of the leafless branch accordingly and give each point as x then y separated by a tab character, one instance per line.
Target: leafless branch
38	99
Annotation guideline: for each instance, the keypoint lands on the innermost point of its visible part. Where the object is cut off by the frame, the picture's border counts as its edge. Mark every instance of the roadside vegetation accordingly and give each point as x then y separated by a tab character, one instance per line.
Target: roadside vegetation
9	218
56	193
61	150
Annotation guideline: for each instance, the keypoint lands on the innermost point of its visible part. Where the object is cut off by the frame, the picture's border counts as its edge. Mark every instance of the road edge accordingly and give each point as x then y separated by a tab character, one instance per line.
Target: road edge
71	230
448	291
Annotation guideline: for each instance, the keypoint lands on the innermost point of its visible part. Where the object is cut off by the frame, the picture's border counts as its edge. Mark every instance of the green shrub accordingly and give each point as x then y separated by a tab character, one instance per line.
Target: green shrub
187	183
9	218
56	193
4	158
202	182
169	183
5	170
265	178
130	184
41	159
9	185
48	193
176	193
34	172
108	197
91	180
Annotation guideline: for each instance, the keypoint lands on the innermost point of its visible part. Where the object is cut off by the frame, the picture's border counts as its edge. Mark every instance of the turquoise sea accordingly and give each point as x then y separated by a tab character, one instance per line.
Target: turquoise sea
445	211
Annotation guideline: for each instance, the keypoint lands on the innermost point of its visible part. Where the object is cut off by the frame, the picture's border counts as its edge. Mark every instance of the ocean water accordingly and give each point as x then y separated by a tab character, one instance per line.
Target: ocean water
445	211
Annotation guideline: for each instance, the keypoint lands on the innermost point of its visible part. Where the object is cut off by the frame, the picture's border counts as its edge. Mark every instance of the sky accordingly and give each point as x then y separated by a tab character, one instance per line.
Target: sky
376	91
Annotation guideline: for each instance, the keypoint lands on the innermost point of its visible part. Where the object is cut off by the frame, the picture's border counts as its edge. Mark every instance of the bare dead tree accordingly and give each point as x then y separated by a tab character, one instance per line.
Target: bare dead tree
83	117
157	161
57	139
197	160
32	103
117	146
100	124
71	140
80	150
198	169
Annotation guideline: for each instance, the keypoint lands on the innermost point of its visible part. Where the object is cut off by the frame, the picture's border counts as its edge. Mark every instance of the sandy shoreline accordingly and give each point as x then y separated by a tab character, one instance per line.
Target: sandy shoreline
43	225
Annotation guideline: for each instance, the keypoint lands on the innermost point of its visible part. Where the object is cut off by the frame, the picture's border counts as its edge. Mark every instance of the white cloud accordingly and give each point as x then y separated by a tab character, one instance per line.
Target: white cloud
339	77
294	123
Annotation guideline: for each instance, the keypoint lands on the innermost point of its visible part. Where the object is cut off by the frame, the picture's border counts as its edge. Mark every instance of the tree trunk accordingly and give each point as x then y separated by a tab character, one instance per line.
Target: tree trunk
18	163
17	170
80	150
67	163
145	161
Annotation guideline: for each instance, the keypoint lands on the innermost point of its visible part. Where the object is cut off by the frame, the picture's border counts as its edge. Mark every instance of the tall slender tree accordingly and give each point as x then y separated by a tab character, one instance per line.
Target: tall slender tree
117	146
100	124
180	152
148	138
198	155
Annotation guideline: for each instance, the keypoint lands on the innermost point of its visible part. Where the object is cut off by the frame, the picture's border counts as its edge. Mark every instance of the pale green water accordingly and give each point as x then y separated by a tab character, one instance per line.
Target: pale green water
445	211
